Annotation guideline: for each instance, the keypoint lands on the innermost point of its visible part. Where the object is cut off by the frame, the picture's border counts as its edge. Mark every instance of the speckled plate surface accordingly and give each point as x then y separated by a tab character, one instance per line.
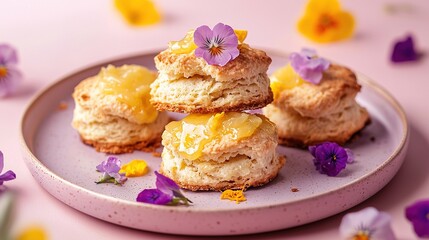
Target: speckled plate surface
65	167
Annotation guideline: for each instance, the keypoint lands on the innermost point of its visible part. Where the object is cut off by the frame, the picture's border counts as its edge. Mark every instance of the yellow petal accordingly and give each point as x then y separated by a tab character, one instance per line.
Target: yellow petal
241	35
33	233
233	195
138	12
317	6
135	168
324	21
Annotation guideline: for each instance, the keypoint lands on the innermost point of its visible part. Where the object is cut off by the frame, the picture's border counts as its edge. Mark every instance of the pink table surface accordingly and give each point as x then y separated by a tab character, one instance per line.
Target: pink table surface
55	38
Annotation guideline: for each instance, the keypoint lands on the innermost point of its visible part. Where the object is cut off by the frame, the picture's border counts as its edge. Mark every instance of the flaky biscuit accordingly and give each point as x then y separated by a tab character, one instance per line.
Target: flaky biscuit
297	131
227	163
336	91
206	95
188	84
109	125
250	62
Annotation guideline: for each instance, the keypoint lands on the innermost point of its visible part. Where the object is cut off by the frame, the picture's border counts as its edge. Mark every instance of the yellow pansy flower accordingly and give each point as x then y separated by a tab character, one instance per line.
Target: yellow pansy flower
138	12
324	21
135	168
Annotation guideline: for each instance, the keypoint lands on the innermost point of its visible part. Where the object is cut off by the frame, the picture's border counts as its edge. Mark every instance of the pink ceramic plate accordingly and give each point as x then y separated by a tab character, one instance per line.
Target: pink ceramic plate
66	169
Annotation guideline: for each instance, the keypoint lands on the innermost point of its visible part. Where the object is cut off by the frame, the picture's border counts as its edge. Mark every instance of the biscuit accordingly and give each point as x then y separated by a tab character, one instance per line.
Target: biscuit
335	92
299	131
110	125
226	163
188	84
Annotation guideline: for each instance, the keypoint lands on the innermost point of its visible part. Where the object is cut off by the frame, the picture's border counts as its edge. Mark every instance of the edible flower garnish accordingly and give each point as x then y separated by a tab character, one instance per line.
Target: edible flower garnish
418	214
325	21
308	66
329	158
135	168
7	176
367	224
404	51
233	195
167	192
33	233
10	76
217	46
110	169
138	12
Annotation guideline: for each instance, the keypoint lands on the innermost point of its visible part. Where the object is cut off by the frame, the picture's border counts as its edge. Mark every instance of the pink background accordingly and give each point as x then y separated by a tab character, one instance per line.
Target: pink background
56	38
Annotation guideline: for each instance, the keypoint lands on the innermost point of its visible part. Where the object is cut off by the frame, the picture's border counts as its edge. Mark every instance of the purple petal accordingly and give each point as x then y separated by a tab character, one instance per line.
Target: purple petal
404	51
111	165
201	35
8	55
225	31
10	82
7	176
350	155
309	52
154	196
308	66
330	158
165	184
417	214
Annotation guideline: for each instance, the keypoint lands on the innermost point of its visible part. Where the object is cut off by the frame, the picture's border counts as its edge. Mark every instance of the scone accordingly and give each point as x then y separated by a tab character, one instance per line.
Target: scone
113	113
220	151
310	112
188	84
296	130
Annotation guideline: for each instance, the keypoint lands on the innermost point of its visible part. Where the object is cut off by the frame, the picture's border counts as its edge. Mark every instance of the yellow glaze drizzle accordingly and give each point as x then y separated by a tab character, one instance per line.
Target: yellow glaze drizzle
135	168
192	133
283	79
233	195
131	85
187	45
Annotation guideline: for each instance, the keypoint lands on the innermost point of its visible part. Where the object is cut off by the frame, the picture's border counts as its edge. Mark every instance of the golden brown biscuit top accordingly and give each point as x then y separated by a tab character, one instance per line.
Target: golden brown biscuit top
338	88
249	62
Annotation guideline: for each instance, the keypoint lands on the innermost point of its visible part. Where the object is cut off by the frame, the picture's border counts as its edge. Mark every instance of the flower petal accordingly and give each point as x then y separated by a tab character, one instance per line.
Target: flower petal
154	196
165	184
7	176
225	31
417	214
201	35
10	82
8	55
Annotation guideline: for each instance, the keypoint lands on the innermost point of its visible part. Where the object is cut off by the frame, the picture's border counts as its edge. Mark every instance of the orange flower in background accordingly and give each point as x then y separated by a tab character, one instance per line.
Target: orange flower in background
324	21
138	12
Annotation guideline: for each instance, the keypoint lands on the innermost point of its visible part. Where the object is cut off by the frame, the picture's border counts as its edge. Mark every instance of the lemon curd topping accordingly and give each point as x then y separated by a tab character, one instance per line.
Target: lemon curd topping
187	45
193	132
131	85
283	79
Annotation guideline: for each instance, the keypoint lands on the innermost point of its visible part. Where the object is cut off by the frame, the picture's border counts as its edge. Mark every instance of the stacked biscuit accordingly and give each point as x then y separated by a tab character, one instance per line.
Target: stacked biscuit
217	146
313	113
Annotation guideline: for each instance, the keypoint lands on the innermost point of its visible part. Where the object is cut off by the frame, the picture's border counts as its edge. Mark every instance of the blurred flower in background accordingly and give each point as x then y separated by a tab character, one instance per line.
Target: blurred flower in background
325	21
138	12
404	50
418	214
10	76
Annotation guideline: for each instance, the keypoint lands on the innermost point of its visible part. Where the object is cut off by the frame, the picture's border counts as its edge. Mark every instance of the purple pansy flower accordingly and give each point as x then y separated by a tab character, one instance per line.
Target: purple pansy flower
308	66
404	51
329	158
217	47
8	175
418	215
110	169
167	192
368	223
154	196
10	76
